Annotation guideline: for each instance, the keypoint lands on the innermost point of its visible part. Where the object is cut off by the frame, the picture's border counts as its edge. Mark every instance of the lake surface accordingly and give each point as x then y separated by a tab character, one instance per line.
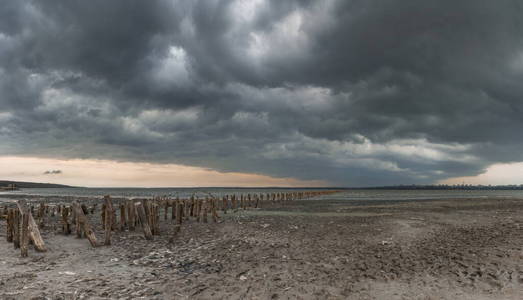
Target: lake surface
356	195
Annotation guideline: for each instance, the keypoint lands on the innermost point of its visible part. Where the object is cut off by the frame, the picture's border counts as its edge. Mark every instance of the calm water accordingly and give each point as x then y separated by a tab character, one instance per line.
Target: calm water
358	195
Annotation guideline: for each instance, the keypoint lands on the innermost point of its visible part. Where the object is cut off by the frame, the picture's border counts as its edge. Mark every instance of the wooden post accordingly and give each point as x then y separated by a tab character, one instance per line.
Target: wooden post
84	225
24	231
131	214
123	220
16	229
184	208
145	204
114	223
152	217
224	206
176	230
188	206
84	209
9	226
154	211
33	231
77	225
179	220
143	220
103	215
179	212
108	219
172	203
193	206
214	213
66	227
41	216
72	213
157	218
198	209
165	209
205	210
148	207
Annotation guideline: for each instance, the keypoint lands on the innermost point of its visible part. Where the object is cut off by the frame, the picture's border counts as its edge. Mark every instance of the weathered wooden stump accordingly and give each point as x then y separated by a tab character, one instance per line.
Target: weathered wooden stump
123	219
224	205
77	225
165	209
41	215
9	225
179	213
214	211
172	203
84	209
83	225
32	228
198	209
154	218
24	232
179	221
108	224
114	223
143	220
205	204
16	229
102	215
131	214
187	209
66	226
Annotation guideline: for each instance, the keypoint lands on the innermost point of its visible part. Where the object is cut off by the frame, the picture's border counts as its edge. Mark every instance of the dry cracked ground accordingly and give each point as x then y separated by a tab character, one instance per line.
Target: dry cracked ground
308	249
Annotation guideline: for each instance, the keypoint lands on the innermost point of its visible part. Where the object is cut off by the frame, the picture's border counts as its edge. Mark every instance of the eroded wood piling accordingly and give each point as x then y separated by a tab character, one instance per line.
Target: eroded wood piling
83	225
33	231
143	220
108	219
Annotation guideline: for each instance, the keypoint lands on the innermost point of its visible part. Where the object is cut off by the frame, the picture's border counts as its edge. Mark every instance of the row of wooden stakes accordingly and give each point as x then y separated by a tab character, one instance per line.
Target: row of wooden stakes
23	229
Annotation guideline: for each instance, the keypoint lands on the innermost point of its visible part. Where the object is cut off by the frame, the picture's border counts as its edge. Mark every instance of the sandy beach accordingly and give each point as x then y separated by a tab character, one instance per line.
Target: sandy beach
305	249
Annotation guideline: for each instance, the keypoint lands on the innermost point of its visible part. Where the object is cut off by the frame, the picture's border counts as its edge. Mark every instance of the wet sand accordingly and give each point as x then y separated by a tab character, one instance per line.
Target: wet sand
308	249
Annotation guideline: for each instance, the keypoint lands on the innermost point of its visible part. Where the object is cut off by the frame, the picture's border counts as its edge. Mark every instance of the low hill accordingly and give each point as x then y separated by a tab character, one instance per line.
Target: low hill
22	184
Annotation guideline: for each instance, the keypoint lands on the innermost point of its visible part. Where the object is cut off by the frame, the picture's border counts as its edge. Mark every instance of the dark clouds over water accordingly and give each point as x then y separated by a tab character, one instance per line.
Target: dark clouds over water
356	92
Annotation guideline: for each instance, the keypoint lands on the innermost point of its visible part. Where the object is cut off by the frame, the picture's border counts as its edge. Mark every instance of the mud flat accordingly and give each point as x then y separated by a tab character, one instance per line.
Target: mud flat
302	249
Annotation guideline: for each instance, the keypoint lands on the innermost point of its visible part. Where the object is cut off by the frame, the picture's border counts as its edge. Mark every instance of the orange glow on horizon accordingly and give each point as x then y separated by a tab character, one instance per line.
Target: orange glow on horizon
107	173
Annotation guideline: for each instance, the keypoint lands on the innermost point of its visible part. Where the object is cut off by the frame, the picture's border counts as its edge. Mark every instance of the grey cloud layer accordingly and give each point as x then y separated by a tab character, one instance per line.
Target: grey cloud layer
352	92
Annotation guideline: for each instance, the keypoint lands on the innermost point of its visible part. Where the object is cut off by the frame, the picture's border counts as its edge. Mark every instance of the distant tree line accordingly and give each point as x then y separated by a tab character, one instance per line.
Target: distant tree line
447	187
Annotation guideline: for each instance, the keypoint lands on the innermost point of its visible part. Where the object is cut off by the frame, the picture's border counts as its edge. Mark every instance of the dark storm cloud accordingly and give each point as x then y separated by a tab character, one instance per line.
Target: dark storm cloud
353	92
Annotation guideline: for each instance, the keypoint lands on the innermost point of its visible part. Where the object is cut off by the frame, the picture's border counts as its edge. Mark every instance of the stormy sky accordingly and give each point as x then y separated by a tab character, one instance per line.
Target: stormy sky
349	92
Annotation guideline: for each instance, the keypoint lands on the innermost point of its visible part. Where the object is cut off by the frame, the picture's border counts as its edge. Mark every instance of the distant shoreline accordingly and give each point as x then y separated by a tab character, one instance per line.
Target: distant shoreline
23	184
